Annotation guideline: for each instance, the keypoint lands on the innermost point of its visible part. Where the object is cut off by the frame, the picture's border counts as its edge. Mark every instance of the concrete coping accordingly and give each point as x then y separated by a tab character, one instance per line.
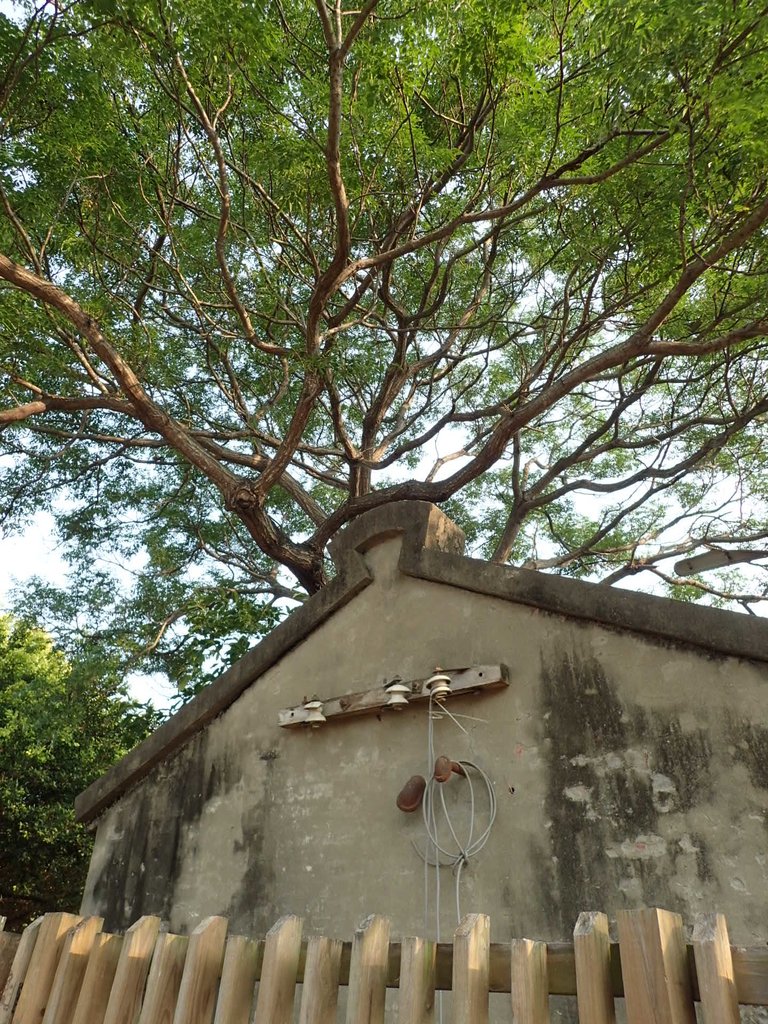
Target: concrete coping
432	550
423	527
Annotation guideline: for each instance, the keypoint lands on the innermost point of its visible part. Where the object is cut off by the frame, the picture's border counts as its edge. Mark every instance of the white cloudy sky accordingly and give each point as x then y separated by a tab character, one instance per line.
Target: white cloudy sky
34	553
31	554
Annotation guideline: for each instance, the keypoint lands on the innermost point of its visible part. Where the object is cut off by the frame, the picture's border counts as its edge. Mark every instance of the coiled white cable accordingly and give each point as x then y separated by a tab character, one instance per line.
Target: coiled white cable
436	854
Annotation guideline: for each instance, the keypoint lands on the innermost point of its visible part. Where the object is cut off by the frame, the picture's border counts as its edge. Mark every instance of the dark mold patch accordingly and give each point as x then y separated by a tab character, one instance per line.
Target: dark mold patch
599	797
630	799
684	757
225	773
703	859
548	901
583	719
250	909
751	743
140	875
580	699
119	893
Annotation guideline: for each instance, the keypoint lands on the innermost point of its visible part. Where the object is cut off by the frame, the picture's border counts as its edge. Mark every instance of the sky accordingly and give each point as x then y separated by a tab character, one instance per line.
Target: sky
34	553
31	554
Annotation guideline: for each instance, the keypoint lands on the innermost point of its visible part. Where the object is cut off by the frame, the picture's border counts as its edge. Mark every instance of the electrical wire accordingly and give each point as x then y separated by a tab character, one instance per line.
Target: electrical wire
434	849
435	853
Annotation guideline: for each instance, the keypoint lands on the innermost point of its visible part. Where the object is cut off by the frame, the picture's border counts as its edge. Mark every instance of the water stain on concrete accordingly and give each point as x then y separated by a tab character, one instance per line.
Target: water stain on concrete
615	772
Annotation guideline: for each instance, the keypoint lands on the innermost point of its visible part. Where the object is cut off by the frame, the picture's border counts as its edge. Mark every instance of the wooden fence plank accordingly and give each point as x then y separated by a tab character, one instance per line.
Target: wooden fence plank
417	982
528	981
132	969
471	969
242	962
42	967
750	966
749	970
320	994
368	970
279	972
97	983
9	944
164	979
202	970
73	961
654	964
714	969
592	954
18	970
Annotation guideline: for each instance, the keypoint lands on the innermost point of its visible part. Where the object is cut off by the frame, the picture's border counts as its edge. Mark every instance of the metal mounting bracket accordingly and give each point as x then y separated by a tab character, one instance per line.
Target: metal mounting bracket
464	681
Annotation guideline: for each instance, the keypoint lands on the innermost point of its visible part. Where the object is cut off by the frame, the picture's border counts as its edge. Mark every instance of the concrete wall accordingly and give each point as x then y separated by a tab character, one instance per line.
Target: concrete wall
628	770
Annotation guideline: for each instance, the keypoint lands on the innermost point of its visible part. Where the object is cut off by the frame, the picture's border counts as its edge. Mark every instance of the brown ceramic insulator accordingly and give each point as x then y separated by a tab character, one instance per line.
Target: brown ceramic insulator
443	768
410	796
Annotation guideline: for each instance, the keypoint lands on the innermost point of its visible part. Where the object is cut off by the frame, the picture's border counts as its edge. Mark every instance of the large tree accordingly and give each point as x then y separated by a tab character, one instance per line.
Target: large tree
61	726
269	264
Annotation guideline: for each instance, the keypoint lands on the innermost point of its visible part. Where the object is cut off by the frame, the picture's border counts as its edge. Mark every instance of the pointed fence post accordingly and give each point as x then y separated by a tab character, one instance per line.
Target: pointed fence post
714	969
164	979
471	970
18	971
132	968
368	971
320	993
242	959
42	967
654	965
592	953
9	943
279	970
73	961
529	982
99	976
202	970
417	981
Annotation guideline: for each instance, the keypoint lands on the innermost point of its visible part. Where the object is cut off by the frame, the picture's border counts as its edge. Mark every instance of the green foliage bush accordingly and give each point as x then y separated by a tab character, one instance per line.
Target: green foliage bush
61	726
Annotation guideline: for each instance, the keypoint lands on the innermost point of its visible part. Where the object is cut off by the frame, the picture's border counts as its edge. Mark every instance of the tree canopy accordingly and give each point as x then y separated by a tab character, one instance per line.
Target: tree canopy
266	265
61	726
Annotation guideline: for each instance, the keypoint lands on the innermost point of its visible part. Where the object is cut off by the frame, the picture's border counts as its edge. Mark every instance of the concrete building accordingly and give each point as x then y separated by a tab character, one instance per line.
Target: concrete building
628	758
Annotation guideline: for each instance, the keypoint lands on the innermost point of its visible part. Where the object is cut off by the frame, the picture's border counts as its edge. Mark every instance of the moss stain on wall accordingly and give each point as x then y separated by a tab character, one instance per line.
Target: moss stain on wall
614	772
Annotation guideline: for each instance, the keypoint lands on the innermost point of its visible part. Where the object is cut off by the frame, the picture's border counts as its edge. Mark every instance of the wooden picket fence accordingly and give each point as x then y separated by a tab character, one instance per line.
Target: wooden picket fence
65	970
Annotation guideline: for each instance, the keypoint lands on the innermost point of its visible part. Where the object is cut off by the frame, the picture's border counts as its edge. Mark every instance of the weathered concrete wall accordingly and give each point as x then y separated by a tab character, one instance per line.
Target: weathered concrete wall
627	770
